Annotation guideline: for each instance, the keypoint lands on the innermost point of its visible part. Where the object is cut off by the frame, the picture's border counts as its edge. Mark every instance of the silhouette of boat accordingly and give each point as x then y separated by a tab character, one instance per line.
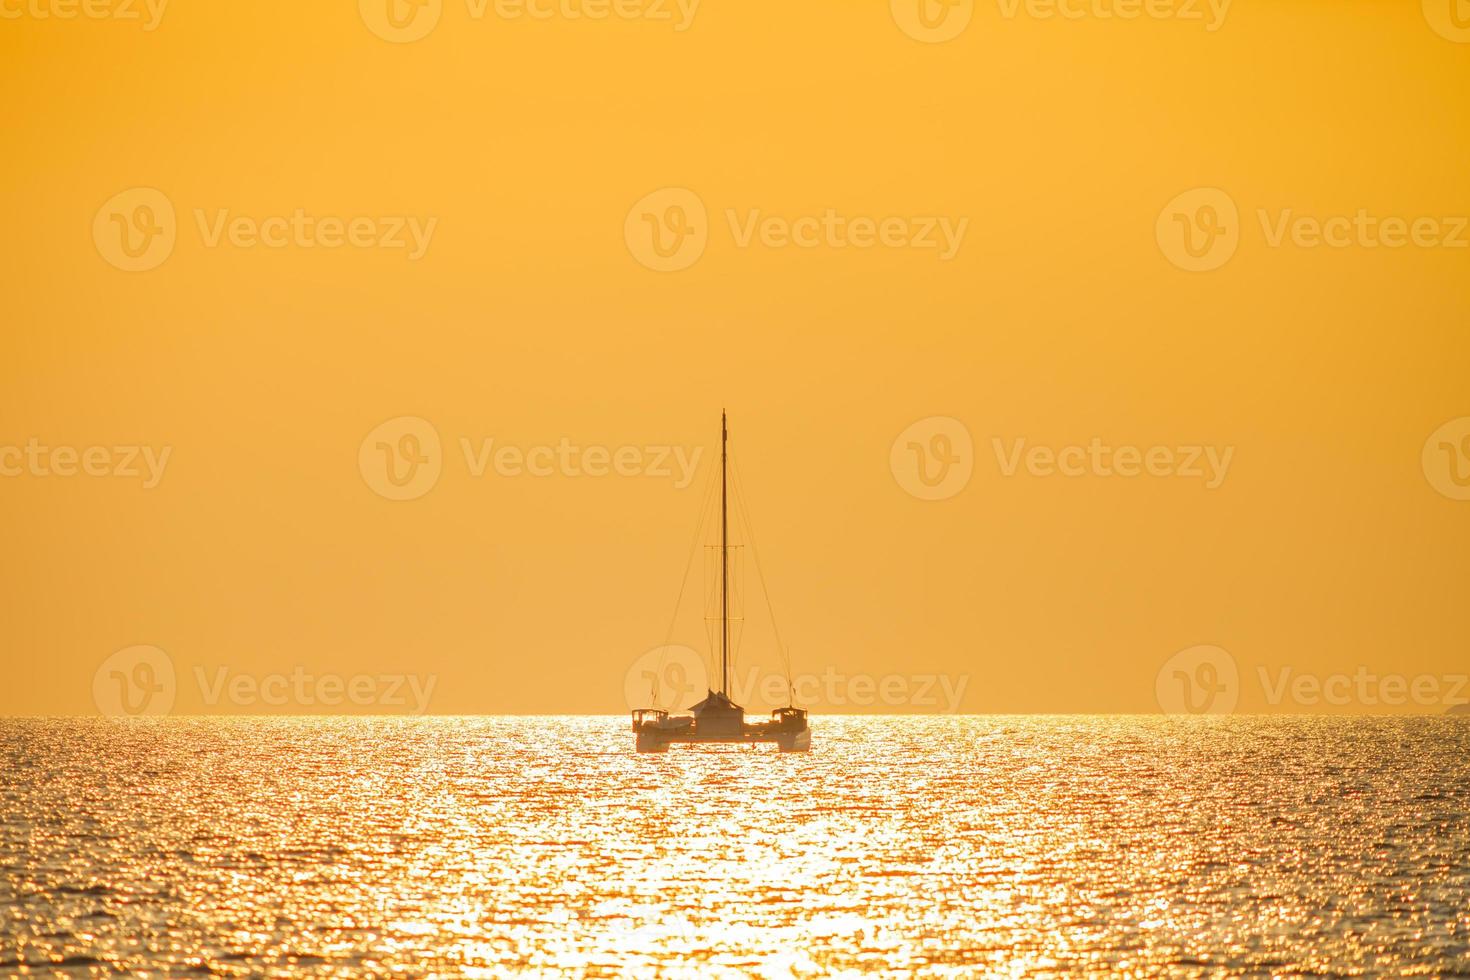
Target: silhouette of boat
718	719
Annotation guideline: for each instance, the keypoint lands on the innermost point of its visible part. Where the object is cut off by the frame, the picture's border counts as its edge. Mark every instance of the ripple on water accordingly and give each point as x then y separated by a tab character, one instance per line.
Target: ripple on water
411	847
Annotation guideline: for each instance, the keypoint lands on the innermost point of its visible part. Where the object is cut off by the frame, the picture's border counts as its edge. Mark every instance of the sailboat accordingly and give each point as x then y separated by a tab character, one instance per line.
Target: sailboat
718	719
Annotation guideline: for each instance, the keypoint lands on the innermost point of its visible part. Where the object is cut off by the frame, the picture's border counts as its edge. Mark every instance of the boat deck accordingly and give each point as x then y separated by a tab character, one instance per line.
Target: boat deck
657	730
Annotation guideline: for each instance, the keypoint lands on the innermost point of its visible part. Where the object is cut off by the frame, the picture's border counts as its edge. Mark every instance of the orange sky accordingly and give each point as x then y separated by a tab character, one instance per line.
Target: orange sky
860	227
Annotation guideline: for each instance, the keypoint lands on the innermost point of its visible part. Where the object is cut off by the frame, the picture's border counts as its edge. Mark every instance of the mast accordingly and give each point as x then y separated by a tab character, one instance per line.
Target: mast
724	565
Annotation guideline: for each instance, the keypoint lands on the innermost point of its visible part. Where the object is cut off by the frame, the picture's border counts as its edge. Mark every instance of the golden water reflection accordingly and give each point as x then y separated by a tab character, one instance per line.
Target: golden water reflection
417	847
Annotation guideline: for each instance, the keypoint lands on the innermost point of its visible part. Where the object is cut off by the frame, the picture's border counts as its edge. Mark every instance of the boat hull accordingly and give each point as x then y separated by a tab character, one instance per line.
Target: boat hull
659	740
719	721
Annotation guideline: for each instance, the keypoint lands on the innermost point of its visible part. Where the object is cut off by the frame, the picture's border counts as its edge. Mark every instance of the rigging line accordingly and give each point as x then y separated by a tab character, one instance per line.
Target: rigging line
760	572
709	485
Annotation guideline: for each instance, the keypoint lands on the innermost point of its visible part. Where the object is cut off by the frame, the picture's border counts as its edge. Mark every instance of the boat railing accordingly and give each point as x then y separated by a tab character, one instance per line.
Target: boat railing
648	716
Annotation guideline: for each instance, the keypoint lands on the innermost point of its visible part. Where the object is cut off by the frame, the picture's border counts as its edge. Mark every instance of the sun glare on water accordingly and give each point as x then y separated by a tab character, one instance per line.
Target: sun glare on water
476	846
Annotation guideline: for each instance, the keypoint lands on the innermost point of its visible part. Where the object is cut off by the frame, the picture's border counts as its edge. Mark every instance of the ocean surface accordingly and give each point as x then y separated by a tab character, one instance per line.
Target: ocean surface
938	845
